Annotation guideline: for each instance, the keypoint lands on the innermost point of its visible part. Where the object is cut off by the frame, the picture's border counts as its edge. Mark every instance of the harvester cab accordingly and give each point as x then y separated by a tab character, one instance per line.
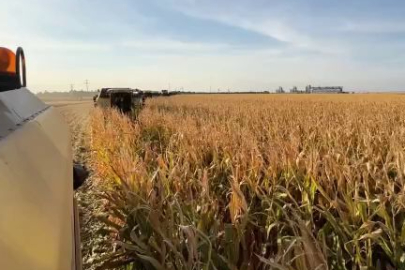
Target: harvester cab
39	226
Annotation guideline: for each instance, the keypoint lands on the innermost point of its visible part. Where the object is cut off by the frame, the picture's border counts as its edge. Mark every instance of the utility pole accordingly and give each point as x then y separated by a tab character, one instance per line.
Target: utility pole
87	85
71	87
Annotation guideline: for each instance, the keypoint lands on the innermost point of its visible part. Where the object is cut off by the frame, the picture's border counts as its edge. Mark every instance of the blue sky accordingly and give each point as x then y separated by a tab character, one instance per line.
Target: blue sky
191	44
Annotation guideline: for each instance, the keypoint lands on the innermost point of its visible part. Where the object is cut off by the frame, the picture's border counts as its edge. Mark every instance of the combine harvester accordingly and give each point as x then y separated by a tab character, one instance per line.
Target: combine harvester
128	101
39	225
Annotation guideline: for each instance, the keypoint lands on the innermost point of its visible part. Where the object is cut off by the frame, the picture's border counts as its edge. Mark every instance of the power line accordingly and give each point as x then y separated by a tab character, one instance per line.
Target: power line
87	85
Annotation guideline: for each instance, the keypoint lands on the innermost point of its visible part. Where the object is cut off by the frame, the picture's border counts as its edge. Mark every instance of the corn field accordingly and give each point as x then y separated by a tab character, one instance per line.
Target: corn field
254	182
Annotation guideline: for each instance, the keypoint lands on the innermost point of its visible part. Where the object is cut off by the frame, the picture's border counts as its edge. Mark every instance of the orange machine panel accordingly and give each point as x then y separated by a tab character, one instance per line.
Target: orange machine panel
7	61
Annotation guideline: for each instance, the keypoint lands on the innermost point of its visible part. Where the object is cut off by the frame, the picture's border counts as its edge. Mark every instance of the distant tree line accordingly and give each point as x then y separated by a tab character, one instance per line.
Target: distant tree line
72	92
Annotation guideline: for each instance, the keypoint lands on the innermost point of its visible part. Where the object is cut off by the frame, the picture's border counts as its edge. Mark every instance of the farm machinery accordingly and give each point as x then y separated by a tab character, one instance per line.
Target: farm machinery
128	101
39	225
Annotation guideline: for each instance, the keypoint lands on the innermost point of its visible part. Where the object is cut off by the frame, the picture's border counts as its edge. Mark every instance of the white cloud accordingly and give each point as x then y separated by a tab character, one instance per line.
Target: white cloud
370	27
276	21
170	45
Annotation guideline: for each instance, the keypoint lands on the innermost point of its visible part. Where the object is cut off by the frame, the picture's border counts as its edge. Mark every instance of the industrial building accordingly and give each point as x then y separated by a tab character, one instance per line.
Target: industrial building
295	90
280	90
313	90
324	89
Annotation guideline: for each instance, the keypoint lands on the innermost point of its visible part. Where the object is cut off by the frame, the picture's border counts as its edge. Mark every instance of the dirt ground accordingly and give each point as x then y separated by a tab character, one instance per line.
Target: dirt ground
77	115
73	104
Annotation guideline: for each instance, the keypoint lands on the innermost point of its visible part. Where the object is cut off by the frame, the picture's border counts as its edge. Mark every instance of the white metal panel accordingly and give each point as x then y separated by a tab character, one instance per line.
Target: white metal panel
36	191
23	102
16	107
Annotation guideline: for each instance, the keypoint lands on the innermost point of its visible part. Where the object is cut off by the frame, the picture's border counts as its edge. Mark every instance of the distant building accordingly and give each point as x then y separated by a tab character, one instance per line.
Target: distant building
280	90
295	90
324	89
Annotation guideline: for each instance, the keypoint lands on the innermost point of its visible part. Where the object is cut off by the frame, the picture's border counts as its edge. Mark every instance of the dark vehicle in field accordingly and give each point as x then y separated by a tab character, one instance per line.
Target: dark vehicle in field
126	100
